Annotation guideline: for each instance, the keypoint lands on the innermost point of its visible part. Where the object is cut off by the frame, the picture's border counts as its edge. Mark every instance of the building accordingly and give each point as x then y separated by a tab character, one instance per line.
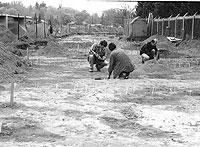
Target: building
136	29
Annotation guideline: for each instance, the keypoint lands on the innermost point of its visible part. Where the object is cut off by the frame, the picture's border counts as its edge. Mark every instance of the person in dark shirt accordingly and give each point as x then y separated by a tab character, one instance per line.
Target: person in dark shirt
149	51
120	64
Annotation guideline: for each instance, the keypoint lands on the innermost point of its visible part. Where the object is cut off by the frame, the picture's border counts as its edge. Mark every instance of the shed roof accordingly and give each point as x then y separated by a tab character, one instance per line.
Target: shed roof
136	18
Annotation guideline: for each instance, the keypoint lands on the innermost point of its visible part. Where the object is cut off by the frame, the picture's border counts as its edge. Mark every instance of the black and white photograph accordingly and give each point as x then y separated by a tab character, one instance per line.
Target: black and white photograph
99	73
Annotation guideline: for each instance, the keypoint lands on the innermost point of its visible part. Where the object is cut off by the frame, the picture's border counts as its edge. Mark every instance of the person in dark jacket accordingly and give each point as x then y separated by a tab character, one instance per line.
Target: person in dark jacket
120	64
149	51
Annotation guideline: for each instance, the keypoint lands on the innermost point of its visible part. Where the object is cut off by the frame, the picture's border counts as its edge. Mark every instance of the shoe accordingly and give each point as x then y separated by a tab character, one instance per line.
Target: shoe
91	70
142	61
98	69
126	77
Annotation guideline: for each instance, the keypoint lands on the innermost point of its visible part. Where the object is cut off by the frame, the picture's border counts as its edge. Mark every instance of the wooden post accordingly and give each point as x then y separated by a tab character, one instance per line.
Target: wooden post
157	25
18	28
175	30
6	21
36	26
44	29
193	19
152	27
27	54
183	28
25	22
163	27
168	26
12	93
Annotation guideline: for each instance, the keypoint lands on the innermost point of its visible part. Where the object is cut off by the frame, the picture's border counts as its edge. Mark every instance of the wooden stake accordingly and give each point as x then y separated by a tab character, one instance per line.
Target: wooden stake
27	54
12	93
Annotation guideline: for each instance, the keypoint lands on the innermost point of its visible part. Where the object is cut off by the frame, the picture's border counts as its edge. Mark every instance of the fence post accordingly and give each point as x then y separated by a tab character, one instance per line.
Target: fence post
163	27
193	19
36	25
175	30
183	29
18	27
157	25
168	26
12	93
152	27
44	29
25	22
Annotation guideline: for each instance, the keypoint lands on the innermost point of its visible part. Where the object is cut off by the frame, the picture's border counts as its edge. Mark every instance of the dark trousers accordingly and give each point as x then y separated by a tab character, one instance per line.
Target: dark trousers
124	74
94	60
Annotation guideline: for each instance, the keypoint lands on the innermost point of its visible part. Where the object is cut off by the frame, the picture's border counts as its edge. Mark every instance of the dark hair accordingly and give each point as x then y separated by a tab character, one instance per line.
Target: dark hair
103	43
154	41
112	46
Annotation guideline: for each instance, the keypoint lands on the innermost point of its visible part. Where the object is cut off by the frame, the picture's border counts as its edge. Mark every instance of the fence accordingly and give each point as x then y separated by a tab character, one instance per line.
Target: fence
180	27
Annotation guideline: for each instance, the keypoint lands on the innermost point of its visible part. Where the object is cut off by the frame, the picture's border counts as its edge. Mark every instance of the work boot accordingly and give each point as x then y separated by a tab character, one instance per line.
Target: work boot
91	70
98	69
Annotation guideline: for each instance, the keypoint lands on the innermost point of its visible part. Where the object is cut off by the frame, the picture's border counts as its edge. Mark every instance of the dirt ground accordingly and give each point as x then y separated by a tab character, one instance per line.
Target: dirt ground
60	103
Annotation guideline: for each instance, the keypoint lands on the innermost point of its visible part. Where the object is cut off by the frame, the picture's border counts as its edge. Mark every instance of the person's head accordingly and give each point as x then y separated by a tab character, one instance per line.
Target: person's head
103	43
111	46
154	42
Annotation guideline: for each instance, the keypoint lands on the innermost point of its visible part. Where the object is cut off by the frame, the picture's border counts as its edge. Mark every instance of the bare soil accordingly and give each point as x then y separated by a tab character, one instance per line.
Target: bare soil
60	103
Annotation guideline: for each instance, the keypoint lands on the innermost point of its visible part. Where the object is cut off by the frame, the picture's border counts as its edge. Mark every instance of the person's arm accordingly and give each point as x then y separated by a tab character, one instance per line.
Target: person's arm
142	49
93	51
111	66
156	51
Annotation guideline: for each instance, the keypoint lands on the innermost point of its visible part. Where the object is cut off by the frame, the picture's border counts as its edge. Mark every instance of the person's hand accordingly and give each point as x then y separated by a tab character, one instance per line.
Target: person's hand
103	58
109	77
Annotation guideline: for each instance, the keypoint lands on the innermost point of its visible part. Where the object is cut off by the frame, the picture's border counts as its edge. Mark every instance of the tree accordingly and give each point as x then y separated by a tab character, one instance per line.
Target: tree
66	18
80	17
115	17
166	9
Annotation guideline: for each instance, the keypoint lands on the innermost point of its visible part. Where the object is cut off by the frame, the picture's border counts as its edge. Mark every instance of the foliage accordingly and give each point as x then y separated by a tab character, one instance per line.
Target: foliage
115	17
80	17
64	15
166	9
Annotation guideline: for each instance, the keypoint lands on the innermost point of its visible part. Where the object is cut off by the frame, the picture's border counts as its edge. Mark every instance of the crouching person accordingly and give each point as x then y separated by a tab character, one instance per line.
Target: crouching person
149	51
120	64
97	56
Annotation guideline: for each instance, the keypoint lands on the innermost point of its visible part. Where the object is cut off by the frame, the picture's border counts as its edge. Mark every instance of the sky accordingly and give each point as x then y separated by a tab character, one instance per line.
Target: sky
91	6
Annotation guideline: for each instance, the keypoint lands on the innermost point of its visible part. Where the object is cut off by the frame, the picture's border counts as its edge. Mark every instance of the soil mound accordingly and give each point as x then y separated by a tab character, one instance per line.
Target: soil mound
190	47
6	36
52	49
153	67
10	63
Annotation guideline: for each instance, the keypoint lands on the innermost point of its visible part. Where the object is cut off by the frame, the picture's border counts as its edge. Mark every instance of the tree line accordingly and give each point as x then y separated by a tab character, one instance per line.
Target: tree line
166	9
65	15
114	17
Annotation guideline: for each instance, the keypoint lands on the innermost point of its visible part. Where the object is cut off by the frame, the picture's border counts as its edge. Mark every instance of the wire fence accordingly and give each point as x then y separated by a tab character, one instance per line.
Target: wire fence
180	27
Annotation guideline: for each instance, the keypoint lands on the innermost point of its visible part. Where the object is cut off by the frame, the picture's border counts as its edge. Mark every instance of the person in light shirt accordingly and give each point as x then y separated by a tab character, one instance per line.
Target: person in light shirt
97	55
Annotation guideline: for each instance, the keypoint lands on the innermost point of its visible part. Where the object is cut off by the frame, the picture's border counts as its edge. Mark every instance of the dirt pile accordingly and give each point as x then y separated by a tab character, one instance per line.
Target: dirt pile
6	36
52	49
190	47
153	67
10	64
77	44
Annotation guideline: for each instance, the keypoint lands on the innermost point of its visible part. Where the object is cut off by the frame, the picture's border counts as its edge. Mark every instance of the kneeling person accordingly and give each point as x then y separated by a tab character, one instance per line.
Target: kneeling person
120	64
97	55
149	51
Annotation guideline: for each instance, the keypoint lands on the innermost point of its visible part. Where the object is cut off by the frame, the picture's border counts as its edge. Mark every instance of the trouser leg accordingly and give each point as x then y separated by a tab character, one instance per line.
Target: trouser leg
124	74
100	65
91	61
